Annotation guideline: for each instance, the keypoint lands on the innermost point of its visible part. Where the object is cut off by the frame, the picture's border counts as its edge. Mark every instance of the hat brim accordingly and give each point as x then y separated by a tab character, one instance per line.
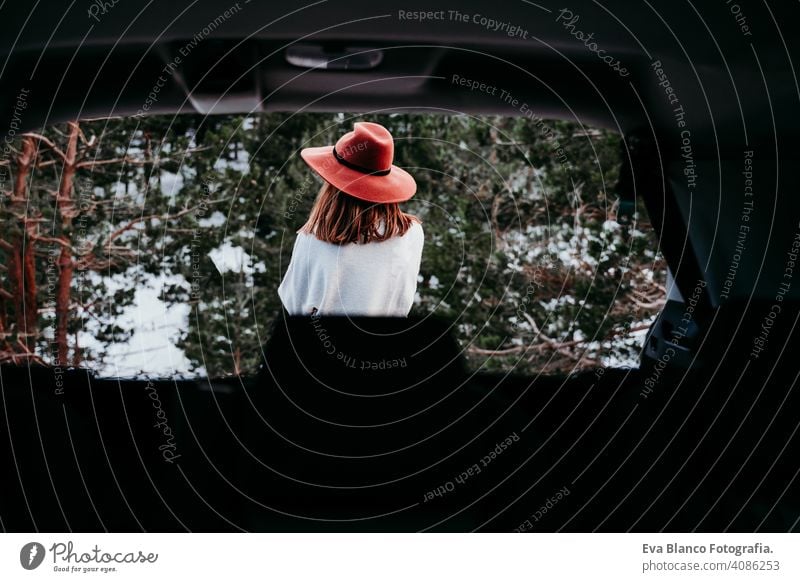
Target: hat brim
396	186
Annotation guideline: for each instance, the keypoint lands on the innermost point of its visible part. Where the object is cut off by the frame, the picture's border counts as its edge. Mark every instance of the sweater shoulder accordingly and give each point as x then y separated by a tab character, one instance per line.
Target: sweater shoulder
415	229
416	232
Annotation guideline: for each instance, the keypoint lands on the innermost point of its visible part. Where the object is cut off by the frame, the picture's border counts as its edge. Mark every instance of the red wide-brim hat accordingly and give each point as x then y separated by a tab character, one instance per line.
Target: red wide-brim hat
360	164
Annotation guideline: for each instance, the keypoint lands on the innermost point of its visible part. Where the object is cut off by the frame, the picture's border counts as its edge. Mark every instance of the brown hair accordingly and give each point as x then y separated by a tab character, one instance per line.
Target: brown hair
339	218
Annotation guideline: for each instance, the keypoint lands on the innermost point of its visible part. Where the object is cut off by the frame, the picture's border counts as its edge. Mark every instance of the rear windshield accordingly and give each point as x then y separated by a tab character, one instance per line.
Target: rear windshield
155	246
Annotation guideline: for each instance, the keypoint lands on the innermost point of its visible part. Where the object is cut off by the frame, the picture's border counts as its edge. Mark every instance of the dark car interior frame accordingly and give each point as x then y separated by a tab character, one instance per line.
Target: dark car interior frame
700	437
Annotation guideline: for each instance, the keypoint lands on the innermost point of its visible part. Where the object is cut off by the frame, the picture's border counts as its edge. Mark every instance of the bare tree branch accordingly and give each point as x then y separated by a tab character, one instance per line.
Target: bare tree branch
53	147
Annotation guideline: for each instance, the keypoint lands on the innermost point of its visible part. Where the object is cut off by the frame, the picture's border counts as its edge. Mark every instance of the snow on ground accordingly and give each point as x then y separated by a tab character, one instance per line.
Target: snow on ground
152	349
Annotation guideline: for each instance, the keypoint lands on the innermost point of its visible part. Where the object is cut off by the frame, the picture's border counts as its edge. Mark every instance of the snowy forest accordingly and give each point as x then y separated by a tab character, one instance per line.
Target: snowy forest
155	245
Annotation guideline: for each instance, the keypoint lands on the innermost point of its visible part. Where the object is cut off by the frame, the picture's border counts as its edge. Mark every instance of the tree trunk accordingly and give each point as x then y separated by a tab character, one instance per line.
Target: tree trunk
5	347
22	267
24	163
31	296
65	202
66	209
65	267
16	281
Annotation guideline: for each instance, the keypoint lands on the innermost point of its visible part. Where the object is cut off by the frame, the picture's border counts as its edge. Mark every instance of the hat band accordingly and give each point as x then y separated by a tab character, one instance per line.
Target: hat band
358	168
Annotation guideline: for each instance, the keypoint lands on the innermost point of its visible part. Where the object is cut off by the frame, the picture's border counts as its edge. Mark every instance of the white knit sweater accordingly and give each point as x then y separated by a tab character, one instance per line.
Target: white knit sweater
376	278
